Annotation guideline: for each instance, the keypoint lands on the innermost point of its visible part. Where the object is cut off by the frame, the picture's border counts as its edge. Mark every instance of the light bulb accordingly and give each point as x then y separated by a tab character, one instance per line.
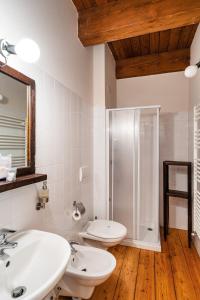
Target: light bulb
28	50
191	71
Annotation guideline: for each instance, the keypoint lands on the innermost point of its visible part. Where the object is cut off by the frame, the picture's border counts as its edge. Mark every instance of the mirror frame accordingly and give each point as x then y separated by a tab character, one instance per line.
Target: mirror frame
30	147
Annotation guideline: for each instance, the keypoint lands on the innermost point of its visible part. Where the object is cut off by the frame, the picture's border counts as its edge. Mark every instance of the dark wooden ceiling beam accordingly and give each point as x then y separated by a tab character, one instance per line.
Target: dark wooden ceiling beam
166	62
129	18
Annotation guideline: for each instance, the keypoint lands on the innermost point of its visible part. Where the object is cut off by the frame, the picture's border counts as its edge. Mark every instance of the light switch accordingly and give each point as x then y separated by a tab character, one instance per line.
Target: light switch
83	173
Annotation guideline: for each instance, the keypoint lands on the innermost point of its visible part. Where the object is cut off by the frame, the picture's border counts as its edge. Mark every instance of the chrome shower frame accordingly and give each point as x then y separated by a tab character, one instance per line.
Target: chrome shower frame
136	176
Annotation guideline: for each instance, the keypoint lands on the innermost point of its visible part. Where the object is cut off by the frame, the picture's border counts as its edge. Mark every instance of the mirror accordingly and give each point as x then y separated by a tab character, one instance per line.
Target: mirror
13	120
17	115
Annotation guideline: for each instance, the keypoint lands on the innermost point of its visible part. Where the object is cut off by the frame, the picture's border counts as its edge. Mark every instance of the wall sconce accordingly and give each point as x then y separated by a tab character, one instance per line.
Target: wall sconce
26	49
191	71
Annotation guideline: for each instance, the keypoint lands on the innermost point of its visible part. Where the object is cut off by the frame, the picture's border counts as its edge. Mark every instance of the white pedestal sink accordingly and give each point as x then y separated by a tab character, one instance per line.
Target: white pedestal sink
37	263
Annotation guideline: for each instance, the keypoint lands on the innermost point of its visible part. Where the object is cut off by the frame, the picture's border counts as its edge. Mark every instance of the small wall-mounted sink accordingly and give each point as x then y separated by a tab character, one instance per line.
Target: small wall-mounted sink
34	267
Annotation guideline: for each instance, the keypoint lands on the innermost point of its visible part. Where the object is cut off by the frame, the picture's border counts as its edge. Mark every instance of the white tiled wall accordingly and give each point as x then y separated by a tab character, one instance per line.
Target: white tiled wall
194	100
63	117
63	144
171	91
174	146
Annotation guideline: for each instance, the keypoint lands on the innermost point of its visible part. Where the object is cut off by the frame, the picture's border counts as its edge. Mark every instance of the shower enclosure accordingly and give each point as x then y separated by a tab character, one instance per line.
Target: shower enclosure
133	173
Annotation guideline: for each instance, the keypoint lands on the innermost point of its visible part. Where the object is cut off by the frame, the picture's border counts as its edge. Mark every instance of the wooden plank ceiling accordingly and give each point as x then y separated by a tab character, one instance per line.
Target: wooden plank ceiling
151	53
84	4
151	46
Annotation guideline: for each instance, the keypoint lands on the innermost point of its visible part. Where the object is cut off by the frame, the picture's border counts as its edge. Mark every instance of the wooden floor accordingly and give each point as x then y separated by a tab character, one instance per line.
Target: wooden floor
147	275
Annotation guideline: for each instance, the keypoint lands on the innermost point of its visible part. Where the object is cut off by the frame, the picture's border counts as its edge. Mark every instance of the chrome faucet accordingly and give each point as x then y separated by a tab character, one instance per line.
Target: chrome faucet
4	243
73	250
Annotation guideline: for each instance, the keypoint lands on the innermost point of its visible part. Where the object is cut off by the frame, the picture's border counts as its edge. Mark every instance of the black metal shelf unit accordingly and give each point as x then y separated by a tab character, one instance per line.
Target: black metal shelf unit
174	193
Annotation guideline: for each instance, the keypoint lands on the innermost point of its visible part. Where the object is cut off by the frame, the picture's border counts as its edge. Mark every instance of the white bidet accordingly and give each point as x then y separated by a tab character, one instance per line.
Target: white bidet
86	269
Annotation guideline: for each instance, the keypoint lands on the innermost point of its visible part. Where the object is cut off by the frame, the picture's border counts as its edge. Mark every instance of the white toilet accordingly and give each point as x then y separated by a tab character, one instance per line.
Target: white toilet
103	233
86	269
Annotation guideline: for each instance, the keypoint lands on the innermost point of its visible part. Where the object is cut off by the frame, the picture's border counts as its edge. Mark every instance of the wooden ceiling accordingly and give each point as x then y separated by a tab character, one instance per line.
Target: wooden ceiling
84	4
150	47
154	43
156	51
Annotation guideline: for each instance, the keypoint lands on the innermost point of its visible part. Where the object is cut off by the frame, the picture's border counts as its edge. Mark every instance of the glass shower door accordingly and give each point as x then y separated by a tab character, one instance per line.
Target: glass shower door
122	176
134	172
148	156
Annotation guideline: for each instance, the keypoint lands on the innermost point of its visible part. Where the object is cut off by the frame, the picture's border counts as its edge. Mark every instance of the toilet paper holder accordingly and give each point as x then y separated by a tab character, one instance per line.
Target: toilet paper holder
79	206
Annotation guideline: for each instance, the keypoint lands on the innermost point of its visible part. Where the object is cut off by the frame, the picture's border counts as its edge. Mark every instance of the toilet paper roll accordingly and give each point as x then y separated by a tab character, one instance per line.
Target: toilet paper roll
76	215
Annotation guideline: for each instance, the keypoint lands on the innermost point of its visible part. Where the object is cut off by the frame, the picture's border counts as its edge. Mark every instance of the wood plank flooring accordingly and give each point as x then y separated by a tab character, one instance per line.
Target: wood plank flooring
146	275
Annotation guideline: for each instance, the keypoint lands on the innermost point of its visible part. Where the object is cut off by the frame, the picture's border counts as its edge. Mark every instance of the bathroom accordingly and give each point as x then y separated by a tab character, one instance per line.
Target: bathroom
80	84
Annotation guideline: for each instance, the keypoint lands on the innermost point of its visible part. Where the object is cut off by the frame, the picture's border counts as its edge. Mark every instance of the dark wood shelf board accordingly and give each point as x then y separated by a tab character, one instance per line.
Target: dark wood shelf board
179	194
21	181
177	163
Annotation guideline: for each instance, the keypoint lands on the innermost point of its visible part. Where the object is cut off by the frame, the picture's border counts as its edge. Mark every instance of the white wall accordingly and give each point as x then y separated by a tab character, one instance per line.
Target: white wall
110	79
99	166
171	91
53	25
194	82
63	78
194	89
104	96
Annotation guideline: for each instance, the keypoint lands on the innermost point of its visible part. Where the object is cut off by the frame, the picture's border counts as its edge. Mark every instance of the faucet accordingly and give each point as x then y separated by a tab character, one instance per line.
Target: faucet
4	243
73	250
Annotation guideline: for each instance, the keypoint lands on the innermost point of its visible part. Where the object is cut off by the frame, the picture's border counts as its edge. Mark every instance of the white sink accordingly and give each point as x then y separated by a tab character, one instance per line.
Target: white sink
37	263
